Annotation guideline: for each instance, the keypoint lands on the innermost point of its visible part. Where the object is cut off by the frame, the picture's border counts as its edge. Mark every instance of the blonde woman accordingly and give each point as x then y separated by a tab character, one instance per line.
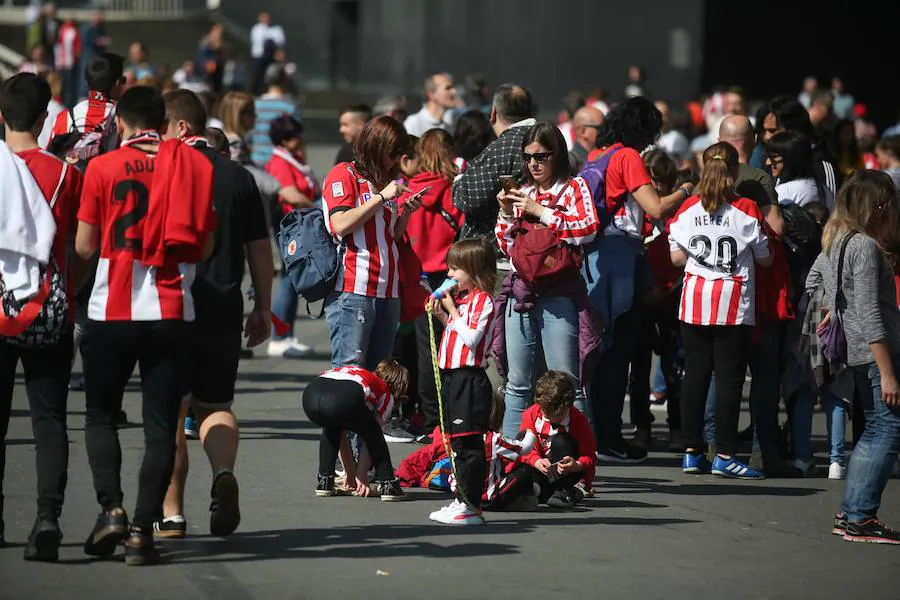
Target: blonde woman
238	115
862	234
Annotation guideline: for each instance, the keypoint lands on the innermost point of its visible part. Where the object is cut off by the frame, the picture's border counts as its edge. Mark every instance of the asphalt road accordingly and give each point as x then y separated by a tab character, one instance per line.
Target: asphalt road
651	532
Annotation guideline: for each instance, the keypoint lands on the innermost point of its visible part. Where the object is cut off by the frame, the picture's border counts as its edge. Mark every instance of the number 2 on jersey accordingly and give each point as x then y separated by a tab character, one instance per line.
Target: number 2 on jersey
121	225
726	249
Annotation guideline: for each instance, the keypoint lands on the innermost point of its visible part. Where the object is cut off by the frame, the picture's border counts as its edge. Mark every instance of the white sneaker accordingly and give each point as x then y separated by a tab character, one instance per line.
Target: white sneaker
289	348
836	471
804	465
457	514
441	510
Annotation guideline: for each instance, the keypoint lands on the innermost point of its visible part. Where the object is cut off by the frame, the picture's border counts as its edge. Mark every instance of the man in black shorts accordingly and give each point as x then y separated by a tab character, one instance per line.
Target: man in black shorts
219	307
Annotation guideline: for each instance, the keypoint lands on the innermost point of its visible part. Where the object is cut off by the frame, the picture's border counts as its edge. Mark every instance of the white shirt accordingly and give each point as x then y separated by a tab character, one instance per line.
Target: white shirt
262	32
53	111
802	192
417	124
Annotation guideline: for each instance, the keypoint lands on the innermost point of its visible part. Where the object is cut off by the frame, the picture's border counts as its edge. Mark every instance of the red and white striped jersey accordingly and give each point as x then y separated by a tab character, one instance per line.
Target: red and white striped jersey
466	340
114	199
570	213
87	116
370	255
378	397
719	278
501	452
67	49
461	164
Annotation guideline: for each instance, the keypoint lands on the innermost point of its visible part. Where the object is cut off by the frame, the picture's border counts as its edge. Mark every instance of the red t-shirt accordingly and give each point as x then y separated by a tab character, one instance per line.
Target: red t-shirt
626	173
371	256
47	170
115	200
377	394
291	172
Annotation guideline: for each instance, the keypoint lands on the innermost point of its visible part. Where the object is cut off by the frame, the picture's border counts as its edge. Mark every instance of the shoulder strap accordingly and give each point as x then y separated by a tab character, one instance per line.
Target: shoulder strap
62	180
840	300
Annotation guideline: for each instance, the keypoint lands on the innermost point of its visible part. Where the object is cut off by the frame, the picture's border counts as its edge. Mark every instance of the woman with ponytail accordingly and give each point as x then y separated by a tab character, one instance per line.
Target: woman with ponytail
717	236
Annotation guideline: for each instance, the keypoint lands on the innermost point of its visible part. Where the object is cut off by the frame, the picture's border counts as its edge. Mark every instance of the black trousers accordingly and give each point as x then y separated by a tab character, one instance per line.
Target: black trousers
611	381
660	333
561	446
339	406
111	350
516	484
722	350
47	372
468	399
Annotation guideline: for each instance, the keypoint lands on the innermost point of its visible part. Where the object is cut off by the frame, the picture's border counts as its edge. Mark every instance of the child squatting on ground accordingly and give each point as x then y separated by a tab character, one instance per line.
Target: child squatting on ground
352	399
468	315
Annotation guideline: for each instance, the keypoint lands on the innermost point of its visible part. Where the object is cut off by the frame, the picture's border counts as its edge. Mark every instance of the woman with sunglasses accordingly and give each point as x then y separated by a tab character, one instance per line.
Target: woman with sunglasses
361	212
548	314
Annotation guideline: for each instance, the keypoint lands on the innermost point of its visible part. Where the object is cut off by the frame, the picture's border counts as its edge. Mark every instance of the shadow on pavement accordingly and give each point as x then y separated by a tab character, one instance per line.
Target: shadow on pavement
377	541
707	486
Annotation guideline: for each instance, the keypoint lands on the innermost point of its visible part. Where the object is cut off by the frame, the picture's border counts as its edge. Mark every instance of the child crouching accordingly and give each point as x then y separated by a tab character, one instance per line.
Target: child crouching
565	452
468	316
357	400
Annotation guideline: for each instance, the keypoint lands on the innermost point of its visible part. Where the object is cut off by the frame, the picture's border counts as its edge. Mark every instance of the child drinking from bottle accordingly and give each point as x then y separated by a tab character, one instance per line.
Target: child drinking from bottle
468	315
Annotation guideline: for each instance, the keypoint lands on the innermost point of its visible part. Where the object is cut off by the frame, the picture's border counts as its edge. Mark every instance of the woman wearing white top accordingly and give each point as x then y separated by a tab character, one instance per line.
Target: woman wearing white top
791	161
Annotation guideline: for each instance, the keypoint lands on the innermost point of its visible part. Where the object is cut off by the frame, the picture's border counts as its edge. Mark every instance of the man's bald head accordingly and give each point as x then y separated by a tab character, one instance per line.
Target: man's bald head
737	130
586	122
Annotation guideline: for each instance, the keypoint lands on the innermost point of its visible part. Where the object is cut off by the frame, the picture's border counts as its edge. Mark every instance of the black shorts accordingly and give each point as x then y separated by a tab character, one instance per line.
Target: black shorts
215	356
467	398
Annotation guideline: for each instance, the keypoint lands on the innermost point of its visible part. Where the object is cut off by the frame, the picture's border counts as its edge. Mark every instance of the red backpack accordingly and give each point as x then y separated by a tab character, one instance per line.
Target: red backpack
540	257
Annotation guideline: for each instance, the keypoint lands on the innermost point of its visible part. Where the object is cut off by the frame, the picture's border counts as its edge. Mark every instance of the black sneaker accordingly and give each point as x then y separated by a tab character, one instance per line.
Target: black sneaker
108	533
173	528
624	453
872	531
43	542
563	499
140	549
390	491
325	488
224	510
396	433
840	524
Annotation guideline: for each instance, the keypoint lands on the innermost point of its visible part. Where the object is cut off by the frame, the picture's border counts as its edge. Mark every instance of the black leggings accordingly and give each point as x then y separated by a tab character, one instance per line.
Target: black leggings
339	406
111	349
722	350
47	371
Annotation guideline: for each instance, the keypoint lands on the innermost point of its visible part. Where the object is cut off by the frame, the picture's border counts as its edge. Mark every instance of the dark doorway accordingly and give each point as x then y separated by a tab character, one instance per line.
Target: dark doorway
344	43
769	46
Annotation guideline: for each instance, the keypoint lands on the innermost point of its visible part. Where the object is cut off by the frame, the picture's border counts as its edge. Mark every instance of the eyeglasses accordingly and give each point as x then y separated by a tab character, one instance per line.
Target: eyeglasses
540	157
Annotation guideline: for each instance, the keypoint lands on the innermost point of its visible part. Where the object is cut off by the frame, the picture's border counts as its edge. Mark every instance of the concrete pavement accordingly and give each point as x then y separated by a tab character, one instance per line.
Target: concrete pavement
651	532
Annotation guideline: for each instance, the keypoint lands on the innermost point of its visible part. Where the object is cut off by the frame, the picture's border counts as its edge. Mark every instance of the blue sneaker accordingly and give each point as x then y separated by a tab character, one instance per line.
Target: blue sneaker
190	428
734	469
695	464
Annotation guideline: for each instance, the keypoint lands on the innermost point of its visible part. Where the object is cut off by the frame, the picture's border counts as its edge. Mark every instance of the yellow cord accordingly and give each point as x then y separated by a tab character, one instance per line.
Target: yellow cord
440	399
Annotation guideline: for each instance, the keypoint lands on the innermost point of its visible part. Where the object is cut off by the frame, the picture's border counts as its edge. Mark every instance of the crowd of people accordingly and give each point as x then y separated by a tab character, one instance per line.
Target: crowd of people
470	241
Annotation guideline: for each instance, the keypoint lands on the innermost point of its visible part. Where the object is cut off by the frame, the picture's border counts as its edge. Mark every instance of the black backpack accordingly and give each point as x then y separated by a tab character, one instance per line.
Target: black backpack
78	148
802	237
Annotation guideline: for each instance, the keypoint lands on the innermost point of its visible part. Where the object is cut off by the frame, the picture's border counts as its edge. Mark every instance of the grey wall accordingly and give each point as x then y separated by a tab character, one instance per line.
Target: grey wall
549	46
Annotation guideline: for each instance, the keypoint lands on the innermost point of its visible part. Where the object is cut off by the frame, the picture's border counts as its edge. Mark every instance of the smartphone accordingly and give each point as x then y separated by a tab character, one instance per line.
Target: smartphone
419	194
508	183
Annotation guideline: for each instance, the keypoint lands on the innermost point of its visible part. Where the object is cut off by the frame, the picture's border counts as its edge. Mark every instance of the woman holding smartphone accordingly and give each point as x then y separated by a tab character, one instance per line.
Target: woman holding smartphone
361	212
552	198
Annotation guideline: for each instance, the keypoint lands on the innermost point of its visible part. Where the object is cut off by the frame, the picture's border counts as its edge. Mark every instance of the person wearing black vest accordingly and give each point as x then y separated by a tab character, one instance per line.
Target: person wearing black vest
219	321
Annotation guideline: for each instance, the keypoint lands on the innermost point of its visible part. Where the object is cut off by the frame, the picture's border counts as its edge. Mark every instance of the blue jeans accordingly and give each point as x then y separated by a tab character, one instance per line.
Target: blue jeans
362	329
553	322
874	455
284	305
804	403
658	386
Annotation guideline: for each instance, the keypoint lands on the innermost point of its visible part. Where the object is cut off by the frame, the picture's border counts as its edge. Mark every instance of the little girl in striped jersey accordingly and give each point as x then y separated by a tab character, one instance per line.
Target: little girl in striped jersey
718	237
468	316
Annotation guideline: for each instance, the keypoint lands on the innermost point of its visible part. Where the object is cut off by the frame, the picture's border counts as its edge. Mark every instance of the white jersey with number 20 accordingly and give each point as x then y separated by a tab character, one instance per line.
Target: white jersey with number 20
719	281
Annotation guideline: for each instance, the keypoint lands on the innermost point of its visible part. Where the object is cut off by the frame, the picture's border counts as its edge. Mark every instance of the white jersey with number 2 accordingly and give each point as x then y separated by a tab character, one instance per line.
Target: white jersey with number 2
719	281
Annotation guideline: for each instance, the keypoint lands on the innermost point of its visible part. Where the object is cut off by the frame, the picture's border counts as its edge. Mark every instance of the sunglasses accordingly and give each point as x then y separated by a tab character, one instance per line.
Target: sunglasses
540	157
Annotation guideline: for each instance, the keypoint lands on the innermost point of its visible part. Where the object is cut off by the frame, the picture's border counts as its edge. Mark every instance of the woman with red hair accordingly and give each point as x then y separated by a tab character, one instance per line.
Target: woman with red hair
361	212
